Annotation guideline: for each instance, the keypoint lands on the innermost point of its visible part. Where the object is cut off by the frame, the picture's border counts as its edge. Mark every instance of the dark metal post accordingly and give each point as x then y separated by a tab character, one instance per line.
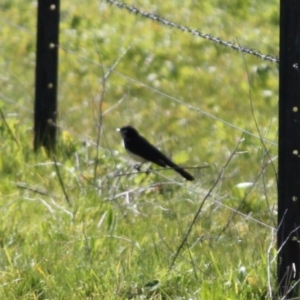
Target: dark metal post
289	150
45	110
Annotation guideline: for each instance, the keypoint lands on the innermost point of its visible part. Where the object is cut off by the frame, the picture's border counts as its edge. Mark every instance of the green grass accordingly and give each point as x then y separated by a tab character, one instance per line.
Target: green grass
119	234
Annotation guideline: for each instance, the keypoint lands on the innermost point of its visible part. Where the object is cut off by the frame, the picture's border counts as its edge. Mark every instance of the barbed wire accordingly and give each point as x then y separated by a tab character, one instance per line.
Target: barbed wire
156	18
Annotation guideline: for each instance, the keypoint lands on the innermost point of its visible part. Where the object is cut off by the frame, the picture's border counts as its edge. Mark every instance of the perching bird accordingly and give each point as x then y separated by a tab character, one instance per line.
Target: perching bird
142	151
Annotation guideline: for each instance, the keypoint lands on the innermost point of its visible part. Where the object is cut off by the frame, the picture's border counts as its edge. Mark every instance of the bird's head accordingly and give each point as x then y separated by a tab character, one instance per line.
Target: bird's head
128	131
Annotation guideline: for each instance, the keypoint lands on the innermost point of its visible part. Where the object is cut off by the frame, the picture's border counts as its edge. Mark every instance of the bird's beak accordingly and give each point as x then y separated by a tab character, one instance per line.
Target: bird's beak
118	129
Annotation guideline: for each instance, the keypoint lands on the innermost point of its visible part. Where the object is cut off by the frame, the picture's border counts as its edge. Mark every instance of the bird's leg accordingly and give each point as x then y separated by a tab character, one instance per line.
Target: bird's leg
138	167
148	171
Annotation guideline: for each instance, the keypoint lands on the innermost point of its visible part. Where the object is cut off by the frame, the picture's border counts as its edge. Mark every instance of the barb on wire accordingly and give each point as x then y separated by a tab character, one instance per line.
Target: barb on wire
156	18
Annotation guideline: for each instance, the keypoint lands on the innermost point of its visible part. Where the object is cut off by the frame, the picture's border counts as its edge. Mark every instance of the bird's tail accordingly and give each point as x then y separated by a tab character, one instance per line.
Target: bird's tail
180	170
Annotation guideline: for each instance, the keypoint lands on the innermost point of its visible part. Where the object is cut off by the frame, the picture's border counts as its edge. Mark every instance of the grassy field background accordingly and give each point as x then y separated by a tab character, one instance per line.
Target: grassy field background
203	104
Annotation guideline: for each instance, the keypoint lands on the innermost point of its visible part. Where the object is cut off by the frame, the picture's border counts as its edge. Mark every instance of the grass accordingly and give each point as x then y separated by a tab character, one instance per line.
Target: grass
198	101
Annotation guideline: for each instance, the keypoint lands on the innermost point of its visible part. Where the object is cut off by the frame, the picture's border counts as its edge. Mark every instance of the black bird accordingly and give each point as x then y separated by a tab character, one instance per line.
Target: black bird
141	150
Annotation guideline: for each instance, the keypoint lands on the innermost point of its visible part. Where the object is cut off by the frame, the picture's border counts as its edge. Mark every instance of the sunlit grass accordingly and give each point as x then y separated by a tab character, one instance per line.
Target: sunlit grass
197	101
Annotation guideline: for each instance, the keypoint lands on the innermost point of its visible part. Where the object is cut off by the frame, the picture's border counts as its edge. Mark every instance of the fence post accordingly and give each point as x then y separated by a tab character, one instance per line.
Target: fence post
288	234
45	108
